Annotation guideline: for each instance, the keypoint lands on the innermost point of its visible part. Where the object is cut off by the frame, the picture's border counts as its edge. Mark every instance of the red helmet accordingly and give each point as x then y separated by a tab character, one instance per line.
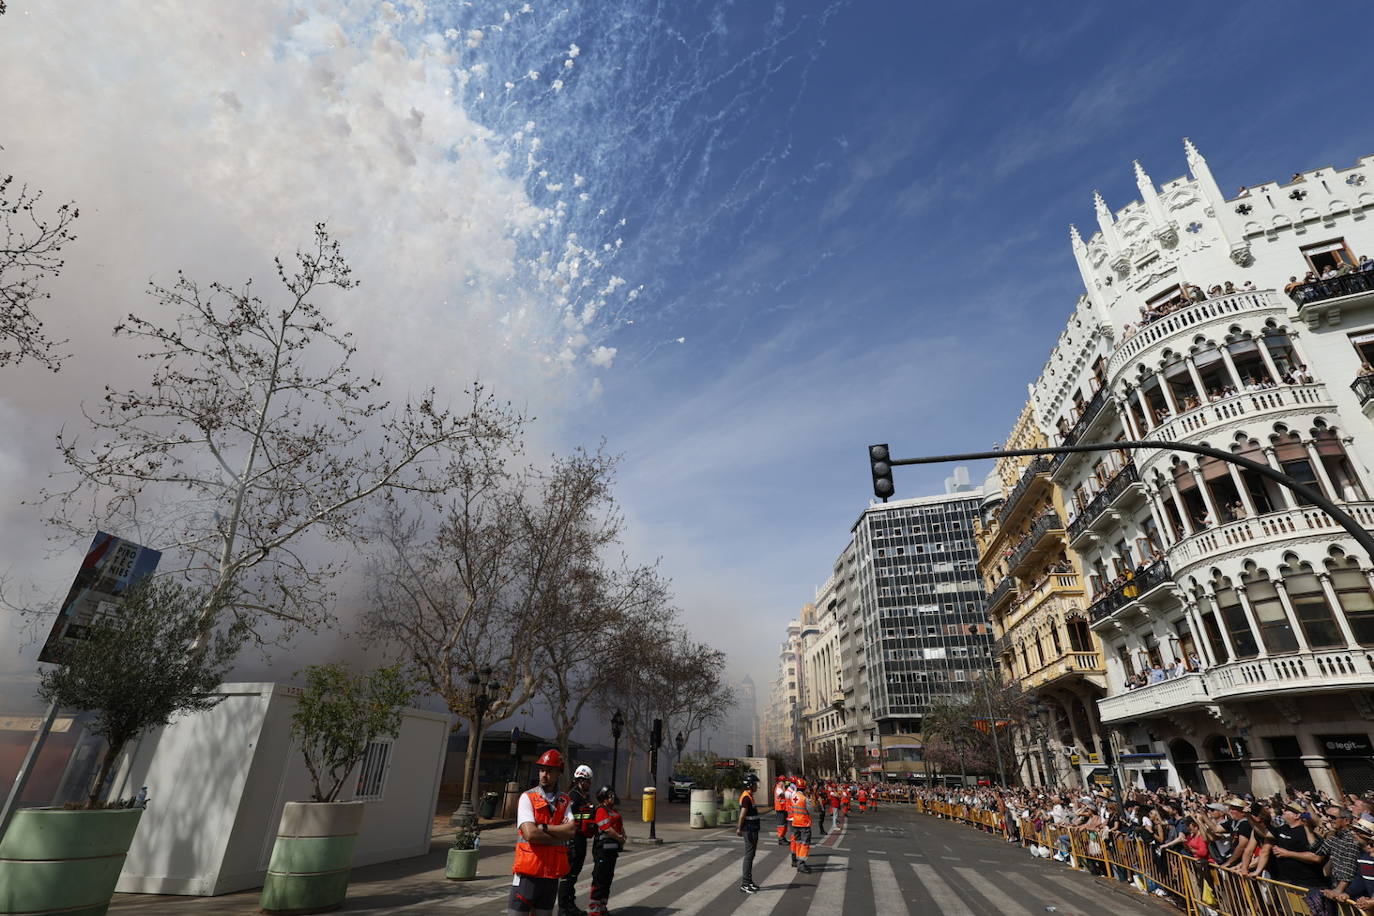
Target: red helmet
550	760
801	783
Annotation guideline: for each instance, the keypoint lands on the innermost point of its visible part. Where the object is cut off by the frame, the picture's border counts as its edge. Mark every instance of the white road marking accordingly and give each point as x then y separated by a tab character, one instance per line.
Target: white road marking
946	901
829	899
994	894
887	896
763	903
657	882
636	864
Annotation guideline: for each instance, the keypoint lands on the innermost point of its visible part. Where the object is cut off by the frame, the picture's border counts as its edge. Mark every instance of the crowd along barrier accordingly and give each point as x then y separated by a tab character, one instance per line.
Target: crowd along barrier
1195	887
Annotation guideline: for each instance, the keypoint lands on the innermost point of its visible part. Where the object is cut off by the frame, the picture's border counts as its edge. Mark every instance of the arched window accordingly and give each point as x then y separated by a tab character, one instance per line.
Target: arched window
1294	460
1275	629
1234	619
1310	604
1352	591
1334	459
1054	635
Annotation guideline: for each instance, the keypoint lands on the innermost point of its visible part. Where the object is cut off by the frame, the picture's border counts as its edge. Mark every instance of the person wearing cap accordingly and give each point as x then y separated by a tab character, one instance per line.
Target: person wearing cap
1287	853
1240	834
1340	847
1362	886
580	803
545	824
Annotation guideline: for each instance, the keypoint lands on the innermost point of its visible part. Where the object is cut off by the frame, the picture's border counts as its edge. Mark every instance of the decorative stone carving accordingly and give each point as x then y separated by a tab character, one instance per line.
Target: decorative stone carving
1288	709
1230	717
1364	704
1167	237
1122	265
1240	254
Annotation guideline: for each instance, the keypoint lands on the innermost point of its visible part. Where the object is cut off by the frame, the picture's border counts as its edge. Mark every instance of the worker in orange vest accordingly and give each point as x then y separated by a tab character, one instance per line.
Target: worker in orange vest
780	806
545	823
863	800
800	810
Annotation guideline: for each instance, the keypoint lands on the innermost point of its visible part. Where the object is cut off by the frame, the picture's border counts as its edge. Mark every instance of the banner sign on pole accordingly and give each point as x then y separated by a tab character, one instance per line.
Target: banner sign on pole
111	566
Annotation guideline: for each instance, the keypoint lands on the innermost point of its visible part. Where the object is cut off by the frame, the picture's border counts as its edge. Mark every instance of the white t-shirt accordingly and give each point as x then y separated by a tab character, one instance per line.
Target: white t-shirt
525	812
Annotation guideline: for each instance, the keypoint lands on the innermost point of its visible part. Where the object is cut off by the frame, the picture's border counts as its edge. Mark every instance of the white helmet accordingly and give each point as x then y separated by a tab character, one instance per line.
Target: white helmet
582	772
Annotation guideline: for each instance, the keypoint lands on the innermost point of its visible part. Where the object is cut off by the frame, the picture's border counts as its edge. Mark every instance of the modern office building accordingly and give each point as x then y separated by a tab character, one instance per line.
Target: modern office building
925	634
1237	620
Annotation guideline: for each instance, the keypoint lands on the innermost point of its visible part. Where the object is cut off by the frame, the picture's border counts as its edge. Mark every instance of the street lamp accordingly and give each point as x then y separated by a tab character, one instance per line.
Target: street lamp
485	691
617	726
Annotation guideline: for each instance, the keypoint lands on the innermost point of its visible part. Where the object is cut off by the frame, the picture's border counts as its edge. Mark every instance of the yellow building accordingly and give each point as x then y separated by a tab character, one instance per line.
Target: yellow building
1038	609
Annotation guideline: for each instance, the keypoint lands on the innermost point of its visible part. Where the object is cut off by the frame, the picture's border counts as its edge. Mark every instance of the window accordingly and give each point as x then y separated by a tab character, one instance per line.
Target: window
372	771
1325	255
1314	614
1354	596
1170	298
1273	622
1237	626
1363	342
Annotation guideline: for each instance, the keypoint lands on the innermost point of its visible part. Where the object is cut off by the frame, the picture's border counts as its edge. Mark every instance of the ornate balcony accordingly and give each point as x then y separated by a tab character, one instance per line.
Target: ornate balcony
1037	470
1363	386
1130	590
1193	317
1155	699
1030	544
1065	665
1260	531
1239	406
1085	419
1125	480
1351	284
1004	588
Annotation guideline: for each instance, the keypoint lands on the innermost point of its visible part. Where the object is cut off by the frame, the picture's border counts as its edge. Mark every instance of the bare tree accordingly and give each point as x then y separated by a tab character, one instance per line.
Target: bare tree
255	431
482	590
600	611
30	252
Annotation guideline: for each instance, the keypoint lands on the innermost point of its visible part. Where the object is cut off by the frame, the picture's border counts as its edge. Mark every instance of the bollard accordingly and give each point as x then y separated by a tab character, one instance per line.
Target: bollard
647	805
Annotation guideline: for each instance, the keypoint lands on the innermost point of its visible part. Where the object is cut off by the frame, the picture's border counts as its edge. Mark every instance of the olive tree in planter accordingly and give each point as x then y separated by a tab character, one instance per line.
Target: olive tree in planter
137	668
337	715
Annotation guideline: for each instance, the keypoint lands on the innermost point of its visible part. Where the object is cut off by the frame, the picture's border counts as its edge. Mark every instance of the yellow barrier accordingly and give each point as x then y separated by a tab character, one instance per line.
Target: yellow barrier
1197	888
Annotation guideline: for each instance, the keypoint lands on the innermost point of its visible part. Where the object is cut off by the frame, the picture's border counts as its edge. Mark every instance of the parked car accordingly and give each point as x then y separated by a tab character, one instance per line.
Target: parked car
679	788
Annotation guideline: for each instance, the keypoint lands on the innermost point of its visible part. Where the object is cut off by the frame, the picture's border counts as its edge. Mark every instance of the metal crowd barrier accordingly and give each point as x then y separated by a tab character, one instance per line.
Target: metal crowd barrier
1197	888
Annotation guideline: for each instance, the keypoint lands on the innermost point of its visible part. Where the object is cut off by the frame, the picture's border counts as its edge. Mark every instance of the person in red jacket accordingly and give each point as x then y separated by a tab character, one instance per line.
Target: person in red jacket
545	822
610	839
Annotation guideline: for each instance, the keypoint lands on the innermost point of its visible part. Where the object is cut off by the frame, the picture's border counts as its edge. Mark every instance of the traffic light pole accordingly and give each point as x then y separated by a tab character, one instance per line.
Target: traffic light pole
882	475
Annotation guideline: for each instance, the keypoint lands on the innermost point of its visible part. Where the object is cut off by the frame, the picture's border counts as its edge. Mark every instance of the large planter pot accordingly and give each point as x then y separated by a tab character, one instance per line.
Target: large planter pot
312	858
58	861
462	865
730	797
704	804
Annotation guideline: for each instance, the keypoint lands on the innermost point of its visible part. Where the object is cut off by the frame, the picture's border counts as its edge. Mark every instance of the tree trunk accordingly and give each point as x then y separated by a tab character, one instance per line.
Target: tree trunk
470	763
102	775
564	742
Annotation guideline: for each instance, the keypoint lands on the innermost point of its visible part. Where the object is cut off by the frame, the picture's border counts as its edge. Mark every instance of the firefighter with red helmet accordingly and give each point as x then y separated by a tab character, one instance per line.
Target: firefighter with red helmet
545	823
610	840
799	812
580	797
780	806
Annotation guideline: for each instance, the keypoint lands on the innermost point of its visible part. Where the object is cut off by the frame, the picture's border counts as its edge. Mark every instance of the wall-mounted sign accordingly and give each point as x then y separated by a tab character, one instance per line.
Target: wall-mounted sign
1346	745
111	566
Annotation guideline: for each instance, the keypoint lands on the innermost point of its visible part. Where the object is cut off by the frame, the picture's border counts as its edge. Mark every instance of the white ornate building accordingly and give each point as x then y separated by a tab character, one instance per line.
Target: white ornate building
1266	602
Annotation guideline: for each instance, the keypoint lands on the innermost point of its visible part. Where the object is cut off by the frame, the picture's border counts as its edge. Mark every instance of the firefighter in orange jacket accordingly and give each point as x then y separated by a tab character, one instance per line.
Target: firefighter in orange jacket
780	806
545	821
799	811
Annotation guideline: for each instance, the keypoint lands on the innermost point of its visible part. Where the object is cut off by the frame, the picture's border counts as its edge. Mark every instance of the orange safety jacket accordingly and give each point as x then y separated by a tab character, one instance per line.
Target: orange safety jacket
543	860
801	817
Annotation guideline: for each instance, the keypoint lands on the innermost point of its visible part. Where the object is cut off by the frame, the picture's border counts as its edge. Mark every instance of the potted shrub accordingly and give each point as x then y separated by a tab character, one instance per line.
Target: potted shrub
137	668
337	715
462	858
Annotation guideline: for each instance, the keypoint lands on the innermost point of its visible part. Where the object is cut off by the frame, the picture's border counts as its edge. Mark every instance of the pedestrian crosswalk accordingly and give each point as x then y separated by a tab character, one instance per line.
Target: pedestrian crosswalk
690	879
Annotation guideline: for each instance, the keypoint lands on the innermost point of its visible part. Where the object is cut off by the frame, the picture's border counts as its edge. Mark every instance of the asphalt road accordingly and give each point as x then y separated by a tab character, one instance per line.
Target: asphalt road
887	863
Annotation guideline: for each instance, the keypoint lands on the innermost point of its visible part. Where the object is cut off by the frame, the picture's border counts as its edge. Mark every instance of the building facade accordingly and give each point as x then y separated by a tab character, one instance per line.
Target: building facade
1037	605
925	634
1236	621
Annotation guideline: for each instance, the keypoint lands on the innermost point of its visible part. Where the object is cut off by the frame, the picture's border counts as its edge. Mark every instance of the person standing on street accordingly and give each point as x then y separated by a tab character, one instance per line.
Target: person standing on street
580	803
780	807
801	829
748	827
610	839
545	824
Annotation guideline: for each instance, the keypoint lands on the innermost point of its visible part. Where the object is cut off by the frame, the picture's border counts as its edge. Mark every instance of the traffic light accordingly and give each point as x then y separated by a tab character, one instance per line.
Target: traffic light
878	458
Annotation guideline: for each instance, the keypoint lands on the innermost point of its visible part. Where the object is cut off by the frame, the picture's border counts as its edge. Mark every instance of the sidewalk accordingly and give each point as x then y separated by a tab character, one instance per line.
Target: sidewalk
416	881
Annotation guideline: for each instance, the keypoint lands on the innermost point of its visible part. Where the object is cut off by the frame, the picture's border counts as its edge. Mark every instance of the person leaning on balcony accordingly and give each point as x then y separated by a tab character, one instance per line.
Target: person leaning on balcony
1366	263
1291	287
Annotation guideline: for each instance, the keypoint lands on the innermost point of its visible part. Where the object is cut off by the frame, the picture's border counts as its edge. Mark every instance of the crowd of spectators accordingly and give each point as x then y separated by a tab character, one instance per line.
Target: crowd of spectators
1191	295
1307	839
1310	287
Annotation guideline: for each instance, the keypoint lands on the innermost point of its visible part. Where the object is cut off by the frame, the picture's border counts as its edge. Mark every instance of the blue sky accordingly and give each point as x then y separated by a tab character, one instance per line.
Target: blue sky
739	241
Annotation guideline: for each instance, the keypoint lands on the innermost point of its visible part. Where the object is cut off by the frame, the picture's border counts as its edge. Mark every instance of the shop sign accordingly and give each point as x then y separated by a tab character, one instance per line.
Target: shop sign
1346	745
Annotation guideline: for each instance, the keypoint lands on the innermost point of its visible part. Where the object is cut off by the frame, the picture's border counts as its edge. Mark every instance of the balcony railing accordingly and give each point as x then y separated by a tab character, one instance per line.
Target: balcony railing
1236	406
1047	522
1004	588
1260	530
1185	318
1129	590
1361	281
1064	665
1041	465
1155	699
1363	386
1122	480
1090	410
